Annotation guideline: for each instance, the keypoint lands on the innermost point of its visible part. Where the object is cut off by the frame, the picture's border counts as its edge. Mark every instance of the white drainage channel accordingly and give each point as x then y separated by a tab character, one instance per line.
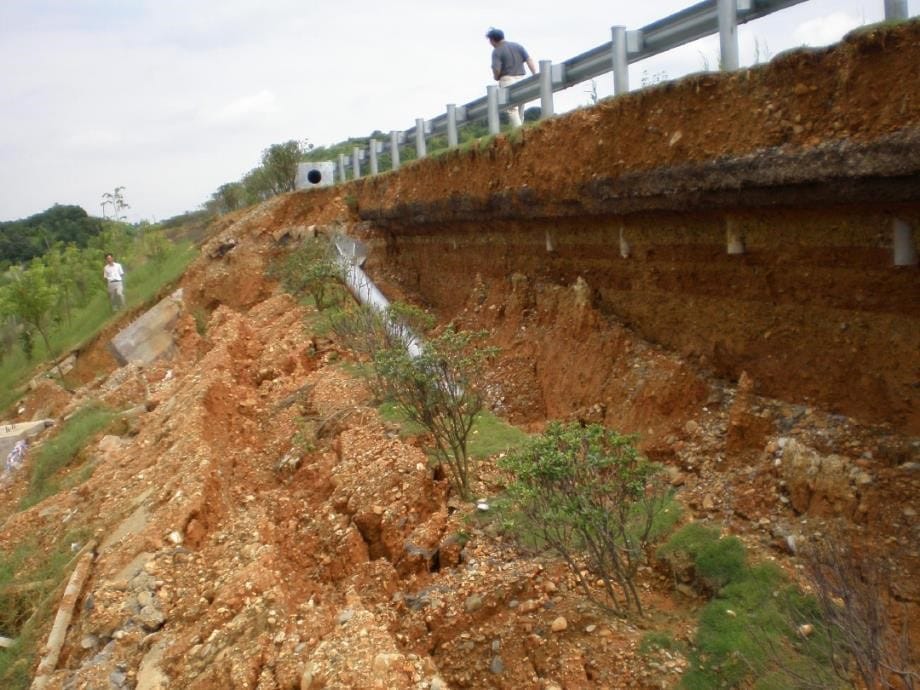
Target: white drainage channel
352	255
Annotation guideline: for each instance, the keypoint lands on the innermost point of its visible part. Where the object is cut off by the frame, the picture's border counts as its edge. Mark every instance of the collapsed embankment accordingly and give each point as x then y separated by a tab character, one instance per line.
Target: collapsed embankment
801	165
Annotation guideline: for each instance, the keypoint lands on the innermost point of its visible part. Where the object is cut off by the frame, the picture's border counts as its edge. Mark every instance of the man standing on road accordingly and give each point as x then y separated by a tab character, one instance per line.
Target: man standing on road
508	60
114	276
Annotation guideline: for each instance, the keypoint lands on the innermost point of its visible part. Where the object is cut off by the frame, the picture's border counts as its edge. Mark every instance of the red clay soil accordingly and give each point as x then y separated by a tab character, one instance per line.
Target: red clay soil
805	160
261	527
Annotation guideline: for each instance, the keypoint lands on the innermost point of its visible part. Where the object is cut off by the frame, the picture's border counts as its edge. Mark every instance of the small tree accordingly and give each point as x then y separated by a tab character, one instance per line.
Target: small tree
310	270
156	245
115	199
366	331
441	389
229	197
30	298
587	494
279	163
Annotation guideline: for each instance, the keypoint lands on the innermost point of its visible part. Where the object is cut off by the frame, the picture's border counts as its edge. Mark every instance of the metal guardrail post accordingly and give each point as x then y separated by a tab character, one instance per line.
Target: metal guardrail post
420	149
341	167
394	149
547	108
905	253
728	34
895	10
356	163
620	60
492	108
372	145
452	137
704	18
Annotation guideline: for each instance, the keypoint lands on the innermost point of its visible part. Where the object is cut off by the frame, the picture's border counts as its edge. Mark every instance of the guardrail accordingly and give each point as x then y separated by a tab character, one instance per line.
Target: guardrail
625	47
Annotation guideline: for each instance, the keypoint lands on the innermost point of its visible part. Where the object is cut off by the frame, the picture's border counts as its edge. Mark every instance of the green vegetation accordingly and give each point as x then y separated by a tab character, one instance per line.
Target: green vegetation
586	493
715	561
60	451
489	436
23	240
310	270
759	630
391	412
492	435
277	171
30	581
653	641
440	389
59	301
276	174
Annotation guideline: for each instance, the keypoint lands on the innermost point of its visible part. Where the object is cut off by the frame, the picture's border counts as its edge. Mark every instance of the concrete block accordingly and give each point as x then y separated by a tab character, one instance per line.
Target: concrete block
314	174
151	336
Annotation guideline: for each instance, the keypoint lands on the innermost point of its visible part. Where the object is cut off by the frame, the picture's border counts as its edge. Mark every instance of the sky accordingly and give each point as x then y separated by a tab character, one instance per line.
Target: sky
173	98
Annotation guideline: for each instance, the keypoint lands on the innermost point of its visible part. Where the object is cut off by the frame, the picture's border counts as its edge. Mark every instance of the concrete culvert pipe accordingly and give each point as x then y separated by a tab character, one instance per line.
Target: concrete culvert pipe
314	174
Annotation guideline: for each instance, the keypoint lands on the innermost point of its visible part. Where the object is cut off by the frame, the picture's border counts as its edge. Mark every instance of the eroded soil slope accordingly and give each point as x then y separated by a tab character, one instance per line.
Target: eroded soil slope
259	526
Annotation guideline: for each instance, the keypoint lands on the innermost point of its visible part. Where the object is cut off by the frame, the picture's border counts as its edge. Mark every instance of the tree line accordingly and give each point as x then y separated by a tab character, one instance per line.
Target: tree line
23	240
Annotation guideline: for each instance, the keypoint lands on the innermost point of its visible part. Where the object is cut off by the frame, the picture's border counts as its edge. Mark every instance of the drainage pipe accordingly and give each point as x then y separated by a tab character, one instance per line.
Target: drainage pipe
351	257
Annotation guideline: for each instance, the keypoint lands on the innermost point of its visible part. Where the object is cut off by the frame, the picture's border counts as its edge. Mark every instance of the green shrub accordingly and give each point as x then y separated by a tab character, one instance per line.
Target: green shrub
586	493
439	388
311	270
366	331
720	563
714	560
749	634
201	316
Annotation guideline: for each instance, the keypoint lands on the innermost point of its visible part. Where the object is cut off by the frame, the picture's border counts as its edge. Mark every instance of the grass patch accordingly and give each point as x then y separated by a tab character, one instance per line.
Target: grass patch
746	635
25	614
489	436
392	413
747	630
492	435
59	451
715	561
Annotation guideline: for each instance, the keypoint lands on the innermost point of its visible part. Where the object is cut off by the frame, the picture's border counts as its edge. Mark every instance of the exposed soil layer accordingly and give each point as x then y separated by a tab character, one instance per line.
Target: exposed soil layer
765	248
813	310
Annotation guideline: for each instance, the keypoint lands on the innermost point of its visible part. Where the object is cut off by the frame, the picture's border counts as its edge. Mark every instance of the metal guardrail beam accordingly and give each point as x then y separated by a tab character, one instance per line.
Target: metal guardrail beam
695	22
682	27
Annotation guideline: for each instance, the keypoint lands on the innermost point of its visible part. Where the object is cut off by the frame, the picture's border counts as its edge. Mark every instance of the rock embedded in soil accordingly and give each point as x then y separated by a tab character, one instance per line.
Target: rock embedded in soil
473	603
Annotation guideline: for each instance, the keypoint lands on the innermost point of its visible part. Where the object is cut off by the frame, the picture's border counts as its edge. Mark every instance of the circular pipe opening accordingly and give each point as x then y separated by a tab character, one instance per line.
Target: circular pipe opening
314	176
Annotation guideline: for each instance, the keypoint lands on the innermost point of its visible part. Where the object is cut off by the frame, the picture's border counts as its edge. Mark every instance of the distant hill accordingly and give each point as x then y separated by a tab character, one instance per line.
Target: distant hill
21	240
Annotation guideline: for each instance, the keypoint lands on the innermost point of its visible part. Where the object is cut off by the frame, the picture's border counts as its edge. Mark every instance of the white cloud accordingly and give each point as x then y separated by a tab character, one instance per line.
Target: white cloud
822	31
94	139
253	108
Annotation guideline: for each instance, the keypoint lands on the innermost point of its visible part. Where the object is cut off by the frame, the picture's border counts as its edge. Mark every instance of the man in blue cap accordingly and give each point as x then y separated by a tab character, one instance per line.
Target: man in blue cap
508	60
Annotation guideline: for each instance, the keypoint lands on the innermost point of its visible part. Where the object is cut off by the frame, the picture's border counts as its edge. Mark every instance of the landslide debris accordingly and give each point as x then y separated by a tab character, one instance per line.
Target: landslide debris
237	549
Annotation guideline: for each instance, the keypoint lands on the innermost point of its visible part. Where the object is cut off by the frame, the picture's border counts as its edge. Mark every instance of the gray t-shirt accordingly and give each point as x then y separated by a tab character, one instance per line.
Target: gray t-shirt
508	59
